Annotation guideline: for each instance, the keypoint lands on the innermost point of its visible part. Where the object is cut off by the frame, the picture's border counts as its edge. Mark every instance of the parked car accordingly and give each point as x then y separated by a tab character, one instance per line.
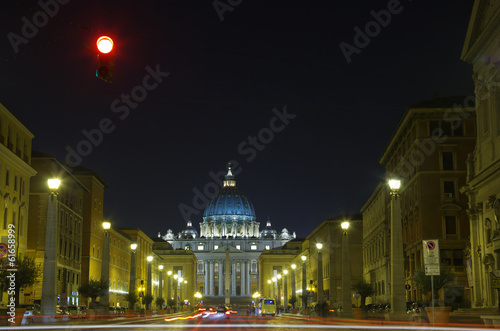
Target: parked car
31	311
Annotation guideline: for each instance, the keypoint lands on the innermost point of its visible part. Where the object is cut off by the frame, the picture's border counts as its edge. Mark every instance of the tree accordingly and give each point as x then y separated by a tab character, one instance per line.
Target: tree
93	289
292	300
132	298
364	289
423	282
170	302
148	298
159	303
27	274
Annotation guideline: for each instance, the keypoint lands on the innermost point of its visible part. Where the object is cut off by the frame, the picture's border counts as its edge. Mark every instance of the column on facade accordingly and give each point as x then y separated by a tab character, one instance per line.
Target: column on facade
205	287
233	278
256	229
212	277
221	278
243	278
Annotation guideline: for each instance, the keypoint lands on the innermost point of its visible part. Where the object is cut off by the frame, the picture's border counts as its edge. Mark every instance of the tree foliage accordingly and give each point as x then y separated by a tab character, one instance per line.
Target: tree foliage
159	302
27	274
93	289
423	282
364	289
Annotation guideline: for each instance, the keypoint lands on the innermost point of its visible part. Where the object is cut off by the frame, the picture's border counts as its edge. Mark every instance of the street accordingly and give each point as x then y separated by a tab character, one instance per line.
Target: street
279	323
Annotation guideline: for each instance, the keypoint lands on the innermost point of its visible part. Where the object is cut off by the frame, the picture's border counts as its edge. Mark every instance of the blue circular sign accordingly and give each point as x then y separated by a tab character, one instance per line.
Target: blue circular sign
431	245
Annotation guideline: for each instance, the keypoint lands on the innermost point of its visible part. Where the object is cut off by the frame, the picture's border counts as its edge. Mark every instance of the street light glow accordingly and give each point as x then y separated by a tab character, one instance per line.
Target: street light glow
394	184
285	272
294	266
106	225
169	273
54	183
345	225
160	267
303	257
279	276
319	245
150	258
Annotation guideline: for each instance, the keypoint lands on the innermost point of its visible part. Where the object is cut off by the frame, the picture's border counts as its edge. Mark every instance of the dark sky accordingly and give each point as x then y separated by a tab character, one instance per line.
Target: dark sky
227	79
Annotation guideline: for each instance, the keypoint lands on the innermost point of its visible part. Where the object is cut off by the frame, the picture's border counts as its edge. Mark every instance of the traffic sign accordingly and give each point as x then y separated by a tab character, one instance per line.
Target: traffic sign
407	286
431	257
4	251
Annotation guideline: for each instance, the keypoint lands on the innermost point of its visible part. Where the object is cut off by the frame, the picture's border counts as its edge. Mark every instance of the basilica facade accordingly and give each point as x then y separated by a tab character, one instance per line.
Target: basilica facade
229	230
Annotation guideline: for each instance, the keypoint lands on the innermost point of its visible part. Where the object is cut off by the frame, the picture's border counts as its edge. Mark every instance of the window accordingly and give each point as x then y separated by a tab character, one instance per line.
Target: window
238	246
253	247
200	247
449	189
268	247
216	247
7	178
15	183
447	158
451	225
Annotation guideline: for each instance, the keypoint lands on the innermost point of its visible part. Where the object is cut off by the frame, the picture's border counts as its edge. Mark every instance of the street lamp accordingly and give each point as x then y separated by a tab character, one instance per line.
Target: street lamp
176	283
148	293
274	285
398	295
160	284
319	246
269	283
279	291
169	284
133	247
346	273
294	294
285	272
48	302
180	291
304	282
105	266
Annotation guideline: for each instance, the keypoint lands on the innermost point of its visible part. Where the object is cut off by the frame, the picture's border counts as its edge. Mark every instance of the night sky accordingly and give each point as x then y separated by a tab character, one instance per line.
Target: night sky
263	83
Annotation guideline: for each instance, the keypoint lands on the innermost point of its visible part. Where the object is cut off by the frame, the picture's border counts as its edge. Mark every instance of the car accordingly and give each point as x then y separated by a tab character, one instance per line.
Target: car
220	312
31	311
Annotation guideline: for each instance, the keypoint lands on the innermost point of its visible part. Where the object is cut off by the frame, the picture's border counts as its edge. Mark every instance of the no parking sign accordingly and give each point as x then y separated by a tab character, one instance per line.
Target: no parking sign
431	257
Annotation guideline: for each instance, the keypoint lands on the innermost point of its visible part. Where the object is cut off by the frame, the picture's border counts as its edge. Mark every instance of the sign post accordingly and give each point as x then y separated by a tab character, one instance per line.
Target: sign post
431	264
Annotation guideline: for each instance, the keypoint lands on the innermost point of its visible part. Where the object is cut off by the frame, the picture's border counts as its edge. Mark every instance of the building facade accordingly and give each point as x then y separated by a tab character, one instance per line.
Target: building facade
428	152
483	173
69	227
15	175
376	244
229	224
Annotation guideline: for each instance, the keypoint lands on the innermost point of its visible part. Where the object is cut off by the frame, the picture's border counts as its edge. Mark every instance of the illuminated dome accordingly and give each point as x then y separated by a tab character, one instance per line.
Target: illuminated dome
189	232
230	203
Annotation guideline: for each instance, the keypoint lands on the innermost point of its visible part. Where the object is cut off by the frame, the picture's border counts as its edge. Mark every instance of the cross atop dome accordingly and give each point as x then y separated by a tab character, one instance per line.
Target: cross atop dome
229	176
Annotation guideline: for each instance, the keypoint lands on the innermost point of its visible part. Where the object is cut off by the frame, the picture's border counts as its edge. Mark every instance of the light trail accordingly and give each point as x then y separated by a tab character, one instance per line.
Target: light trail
232	326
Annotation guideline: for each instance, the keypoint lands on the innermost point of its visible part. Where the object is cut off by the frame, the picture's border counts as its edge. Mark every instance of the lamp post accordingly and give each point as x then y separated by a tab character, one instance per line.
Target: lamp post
148	293
279	291
285	290
398	295
181	280
133	247
176	284
169	284
294	293
269	282
304	282
185	291
346	273
274	285
105	266
321	298
48	302
160	284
